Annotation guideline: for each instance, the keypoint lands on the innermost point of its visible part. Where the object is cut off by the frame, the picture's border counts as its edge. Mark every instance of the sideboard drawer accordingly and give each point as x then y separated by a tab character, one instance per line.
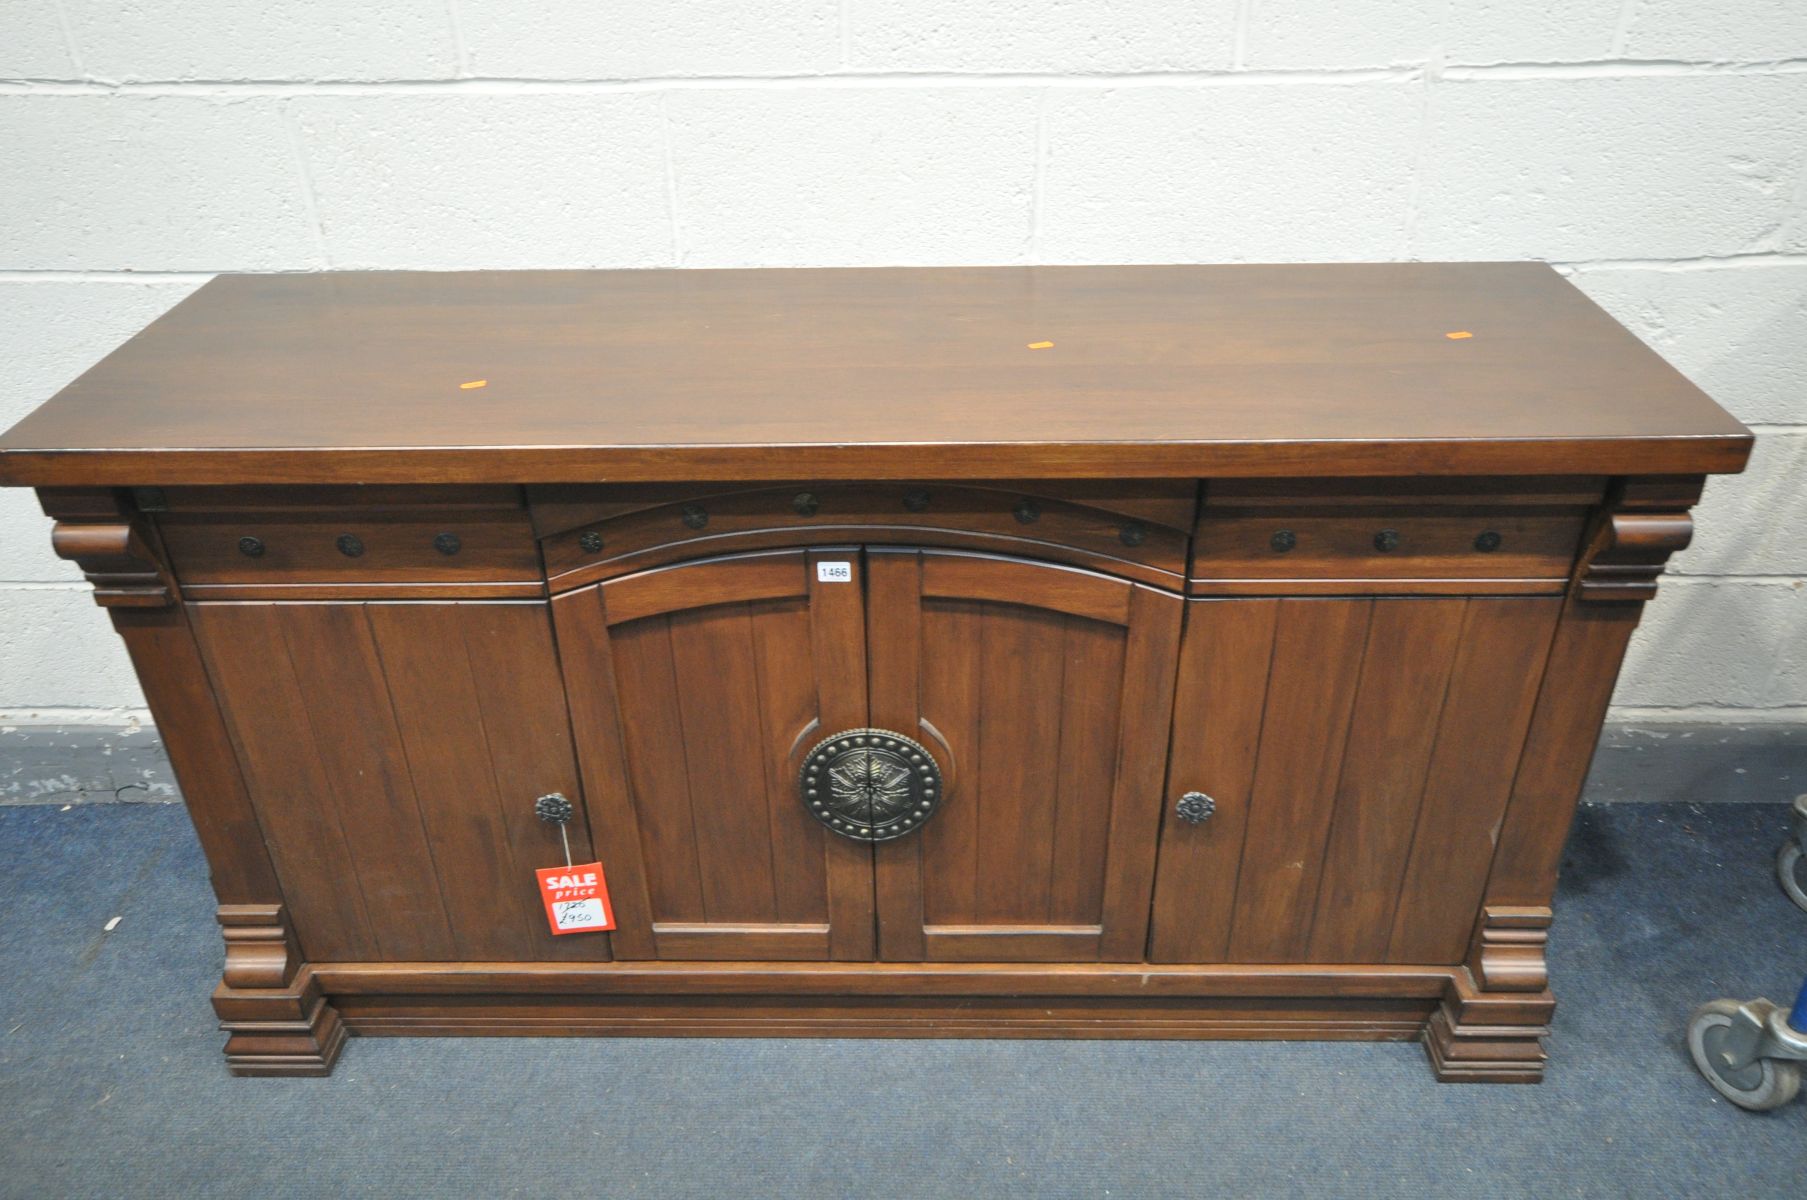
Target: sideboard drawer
1386	545
1385	535
221	544
1134	528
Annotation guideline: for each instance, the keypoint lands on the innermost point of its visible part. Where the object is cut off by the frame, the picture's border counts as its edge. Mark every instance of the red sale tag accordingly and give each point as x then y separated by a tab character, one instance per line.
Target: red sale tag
577	898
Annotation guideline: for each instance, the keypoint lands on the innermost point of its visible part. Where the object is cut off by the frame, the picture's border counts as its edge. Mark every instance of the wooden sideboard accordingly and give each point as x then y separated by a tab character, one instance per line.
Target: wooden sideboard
1162	652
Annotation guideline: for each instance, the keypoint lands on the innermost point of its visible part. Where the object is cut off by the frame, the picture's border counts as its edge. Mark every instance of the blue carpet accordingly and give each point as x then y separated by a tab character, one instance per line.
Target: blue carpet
111	1082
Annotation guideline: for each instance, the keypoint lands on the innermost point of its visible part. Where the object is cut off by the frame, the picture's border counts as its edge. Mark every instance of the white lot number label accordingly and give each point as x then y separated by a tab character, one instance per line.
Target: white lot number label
834	572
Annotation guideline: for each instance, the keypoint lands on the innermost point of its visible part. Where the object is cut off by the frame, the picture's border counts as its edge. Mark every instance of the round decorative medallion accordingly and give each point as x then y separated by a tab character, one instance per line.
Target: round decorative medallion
870	785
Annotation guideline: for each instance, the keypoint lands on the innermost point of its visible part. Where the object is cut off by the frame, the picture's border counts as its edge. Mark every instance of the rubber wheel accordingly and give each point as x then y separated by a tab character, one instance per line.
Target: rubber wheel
1765	1084
1788	865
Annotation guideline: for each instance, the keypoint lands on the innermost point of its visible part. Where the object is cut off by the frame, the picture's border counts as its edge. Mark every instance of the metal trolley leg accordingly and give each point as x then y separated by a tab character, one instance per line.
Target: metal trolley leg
1788	858
1751	1051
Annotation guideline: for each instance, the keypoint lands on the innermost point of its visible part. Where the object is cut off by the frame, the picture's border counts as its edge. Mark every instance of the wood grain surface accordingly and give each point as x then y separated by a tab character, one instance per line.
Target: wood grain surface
393	753
874	374
1045	692
1361	753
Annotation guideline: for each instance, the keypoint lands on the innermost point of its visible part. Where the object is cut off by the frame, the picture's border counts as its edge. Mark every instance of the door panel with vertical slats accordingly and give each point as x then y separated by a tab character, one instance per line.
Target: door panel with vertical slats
696	690
1044	692
394	752
1360	752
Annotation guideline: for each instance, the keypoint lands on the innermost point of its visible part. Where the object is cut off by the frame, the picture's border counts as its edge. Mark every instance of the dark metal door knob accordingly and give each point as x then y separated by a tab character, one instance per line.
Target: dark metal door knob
553	808
556	811
1194	808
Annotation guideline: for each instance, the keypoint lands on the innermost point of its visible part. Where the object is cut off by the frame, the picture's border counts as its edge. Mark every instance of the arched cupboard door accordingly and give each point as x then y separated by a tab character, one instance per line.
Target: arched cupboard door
696	690
702	694
1046	691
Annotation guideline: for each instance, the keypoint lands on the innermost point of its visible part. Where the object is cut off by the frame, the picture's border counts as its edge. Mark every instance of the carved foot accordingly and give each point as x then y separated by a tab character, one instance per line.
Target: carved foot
1496	1012
1478	1037
276	1018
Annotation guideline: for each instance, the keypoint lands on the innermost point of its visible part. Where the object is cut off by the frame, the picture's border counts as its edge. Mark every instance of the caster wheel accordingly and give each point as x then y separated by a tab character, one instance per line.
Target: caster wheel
1765	1084
1788	870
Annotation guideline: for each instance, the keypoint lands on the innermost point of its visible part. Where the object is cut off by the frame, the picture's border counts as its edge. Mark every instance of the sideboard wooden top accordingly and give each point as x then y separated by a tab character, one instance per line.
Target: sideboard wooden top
876	373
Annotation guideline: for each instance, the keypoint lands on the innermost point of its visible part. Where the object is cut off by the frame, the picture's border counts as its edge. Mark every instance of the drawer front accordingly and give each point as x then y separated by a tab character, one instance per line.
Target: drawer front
1136	529
1379	536
357	545
1388	545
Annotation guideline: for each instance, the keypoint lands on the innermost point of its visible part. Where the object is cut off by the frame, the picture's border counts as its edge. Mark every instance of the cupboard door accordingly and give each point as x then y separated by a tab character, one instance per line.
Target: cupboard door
393	753
1360	753
696	690
1045	693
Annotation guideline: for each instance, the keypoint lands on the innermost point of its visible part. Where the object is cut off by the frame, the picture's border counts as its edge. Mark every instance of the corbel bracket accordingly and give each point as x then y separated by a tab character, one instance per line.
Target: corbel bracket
112	545
1646	520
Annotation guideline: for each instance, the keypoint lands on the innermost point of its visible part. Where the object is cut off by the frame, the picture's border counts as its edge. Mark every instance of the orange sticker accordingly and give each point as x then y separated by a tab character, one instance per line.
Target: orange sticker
475	383
1041	345
1458	335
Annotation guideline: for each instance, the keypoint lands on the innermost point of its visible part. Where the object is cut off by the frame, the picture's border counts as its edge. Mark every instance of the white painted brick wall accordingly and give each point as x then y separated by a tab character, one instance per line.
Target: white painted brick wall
1229	174
138	40
1354	33
643	39
54	657
32	45
1717	30
915	176
1526	31
440	182
1656	149
1644	167
168	182
1084	37
1738	329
